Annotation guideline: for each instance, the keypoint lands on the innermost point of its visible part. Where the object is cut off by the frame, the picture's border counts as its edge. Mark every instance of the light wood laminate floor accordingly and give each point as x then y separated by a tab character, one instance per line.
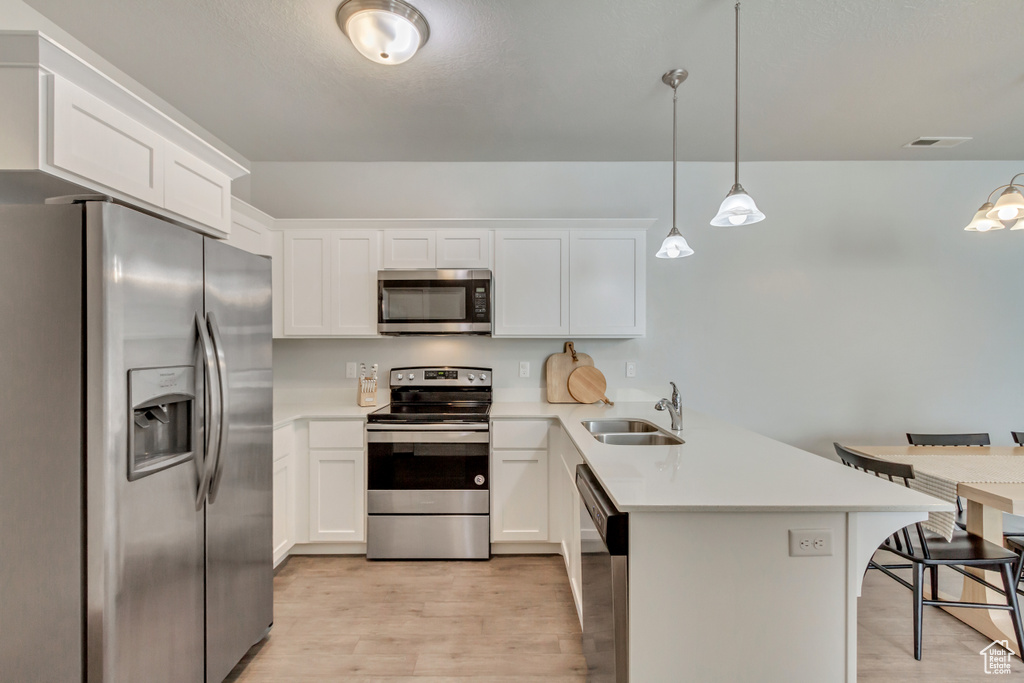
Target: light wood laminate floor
512	619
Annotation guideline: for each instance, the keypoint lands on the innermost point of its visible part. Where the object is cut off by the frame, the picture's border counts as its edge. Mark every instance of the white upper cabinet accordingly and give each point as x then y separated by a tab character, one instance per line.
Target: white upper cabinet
86	132
584	283
195	189
456	248
607	283
464	249
354	283
330	283
94	140
307	283
409	249
531	283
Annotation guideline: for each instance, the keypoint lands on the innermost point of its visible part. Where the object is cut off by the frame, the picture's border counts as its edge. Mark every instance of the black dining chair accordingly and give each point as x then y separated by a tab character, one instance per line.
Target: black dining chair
979	439
1017	545
965	550
1018	438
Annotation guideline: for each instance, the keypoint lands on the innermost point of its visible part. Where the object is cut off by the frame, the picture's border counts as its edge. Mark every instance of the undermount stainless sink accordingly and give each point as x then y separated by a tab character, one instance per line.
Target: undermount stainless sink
618	426
627	432
650	439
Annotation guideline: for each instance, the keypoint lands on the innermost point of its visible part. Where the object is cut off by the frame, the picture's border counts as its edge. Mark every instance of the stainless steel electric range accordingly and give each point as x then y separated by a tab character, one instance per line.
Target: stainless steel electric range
428	466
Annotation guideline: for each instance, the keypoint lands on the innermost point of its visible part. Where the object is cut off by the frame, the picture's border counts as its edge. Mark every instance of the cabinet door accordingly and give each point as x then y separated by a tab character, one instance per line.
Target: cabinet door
282	505
519	502
531	283
196	190
337	495
307	283
607	281
409	249
354	283
284	487
463	248
94	140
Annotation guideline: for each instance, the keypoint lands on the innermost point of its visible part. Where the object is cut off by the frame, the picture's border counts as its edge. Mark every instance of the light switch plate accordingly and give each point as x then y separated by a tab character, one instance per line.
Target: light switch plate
810	542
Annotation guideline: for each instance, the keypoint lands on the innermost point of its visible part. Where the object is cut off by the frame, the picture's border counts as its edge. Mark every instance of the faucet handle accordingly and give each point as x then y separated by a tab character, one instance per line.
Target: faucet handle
675	392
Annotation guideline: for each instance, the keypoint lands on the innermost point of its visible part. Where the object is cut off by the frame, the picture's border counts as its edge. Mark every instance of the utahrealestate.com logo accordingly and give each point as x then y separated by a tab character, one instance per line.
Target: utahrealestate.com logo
997	657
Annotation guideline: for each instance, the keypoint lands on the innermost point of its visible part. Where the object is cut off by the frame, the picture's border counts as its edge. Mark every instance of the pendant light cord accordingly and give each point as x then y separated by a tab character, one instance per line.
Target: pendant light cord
736	140
675	97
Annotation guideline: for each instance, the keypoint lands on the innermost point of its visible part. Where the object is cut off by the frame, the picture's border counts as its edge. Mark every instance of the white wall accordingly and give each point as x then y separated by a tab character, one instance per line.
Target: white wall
857	311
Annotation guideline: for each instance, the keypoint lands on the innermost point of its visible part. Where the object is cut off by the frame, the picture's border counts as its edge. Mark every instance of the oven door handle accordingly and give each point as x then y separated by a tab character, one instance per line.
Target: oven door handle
419	427
428	437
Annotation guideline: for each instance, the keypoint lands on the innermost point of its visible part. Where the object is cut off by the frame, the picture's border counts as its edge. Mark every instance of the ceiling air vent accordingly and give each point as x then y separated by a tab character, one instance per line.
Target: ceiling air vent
936	142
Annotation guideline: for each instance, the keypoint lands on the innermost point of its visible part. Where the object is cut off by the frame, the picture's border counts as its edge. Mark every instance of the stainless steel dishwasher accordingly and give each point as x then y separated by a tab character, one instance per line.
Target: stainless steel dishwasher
604	543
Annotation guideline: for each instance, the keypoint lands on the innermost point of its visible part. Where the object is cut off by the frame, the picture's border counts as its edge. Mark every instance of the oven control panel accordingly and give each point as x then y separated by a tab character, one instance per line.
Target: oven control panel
443	376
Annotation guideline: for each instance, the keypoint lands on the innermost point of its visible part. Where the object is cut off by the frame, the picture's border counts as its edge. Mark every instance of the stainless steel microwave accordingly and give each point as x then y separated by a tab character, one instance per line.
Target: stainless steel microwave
433	302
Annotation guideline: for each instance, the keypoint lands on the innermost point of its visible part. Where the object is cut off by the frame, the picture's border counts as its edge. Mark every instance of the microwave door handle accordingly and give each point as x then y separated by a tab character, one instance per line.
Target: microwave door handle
222	408
211	399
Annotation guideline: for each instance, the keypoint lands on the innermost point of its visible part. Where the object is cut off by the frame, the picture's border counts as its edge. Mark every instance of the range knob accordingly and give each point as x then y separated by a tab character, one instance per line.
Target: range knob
483	376
398	376
471	377
412	376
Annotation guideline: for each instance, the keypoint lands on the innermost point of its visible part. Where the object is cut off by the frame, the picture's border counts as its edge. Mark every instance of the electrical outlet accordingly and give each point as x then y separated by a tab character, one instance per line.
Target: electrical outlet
630	368
350	370
524	368
807	542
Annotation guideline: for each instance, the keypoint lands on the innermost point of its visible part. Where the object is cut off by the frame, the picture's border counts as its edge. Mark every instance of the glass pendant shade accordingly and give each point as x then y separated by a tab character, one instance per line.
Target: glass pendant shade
1019	225
1009	206
981	222
383	31
737	209
674	246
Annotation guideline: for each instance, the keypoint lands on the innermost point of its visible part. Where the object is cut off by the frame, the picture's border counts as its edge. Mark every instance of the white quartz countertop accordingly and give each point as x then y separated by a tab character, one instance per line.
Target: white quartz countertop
289	412
719	468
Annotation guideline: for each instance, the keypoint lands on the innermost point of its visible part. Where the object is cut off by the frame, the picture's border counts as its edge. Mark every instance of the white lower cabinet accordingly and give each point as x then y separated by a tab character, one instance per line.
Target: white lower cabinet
337	481
519	480
284	492
520	496
565	507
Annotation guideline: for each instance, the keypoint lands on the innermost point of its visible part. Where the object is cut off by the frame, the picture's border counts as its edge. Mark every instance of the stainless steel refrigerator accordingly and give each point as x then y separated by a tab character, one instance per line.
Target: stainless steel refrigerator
135	448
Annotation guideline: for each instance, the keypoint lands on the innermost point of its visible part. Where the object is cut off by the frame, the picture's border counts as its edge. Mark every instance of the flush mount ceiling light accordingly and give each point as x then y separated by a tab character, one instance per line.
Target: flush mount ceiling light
384	31
674	245
1008	210
738	207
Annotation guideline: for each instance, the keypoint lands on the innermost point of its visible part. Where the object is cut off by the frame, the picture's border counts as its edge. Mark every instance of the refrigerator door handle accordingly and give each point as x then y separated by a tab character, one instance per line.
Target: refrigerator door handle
209	417
222	377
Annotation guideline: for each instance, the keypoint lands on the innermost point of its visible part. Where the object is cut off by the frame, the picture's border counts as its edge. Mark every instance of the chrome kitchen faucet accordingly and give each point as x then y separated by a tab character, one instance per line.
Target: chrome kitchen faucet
674	408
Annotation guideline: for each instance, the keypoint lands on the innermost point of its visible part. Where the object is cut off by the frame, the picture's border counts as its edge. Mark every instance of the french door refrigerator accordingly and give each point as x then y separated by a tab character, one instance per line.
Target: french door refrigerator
135	448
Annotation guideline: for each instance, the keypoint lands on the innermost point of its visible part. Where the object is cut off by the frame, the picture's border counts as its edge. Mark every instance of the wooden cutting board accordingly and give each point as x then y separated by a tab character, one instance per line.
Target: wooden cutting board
557	370
587	385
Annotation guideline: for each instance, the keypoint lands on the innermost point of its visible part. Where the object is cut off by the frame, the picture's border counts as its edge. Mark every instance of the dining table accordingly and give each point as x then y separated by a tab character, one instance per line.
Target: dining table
991	479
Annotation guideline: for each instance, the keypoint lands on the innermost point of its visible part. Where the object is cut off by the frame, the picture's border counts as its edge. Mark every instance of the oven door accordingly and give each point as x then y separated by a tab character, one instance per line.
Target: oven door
434	302
427	472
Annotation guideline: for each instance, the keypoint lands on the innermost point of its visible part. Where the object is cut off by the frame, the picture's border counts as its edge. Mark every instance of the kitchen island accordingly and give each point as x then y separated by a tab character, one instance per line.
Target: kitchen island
714	594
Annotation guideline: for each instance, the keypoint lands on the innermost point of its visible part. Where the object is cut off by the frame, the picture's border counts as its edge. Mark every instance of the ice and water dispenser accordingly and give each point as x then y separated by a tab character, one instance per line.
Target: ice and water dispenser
162	404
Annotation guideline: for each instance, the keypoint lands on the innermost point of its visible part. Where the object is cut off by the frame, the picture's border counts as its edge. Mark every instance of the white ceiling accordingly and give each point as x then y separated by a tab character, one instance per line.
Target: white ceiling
579	80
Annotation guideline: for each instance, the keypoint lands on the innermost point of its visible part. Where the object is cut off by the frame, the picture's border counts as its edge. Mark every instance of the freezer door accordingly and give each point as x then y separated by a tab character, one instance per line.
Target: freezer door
144	536
239	510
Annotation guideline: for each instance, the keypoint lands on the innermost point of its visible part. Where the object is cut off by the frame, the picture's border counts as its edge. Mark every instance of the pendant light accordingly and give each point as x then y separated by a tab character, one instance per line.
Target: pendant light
675	245
384	31
738	207
1008	210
